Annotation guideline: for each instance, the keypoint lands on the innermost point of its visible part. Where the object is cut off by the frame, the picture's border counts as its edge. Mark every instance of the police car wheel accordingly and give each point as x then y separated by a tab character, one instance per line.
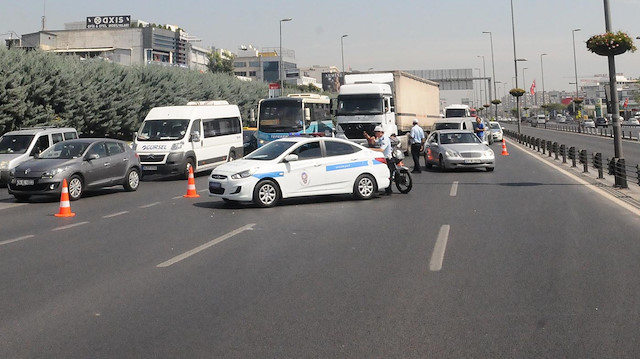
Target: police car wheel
266	194
365	187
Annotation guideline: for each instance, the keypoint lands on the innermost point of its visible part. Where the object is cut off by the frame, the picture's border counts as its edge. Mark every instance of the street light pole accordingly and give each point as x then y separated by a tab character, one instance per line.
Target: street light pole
575	69
342	50
621	181
524	83
515	64
484	74
493	67
542	71
280	55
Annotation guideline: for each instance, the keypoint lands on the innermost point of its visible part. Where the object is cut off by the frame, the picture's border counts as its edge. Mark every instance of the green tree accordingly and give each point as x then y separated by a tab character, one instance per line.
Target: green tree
216	63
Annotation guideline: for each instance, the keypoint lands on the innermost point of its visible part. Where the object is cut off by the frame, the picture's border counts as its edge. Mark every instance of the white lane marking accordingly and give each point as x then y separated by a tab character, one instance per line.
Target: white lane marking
454	189
69	226
150	205
17	239
438	250
188	254
12	205
204	190
590	186
177	197
115	214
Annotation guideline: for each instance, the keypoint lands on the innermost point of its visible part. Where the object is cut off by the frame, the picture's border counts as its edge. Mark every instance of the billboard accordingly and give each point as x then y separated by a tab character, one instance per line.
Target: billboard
331	81
94	22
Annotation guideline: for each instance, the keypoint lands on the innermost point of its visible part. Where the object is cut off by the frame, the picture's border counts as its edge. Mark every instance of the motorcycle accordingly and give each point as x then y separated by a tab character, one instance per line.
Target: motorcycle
400	176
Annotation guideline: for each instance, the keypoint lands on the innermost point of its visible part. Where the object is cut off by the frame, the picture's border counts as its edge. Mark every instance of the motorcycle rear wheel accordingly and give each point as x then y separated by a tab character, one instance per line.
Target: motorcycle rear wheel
403	181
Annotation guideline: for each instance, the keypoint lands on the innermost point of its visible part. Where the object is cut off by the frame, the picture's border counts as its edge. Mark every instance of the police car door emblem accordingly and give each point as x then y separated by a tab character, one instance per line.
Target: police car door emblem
304	178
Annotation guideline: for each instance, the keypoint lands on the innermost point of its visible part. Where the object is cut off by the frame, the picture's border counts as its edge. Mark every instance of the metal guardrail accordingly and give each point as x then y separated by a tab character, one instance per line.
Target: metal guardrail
615	166
628	132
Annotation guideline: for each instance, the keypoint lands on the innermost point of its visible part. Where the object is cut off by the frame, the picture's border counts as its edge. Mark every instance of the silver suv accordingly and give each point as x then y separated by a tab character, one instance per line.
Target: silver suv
19	146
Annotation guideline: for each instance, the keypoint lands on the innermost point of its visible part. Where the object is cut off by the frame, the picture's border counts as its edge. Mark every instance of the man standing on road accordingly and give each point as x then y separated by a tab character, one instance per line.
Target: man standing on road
383	145
416	138
480	128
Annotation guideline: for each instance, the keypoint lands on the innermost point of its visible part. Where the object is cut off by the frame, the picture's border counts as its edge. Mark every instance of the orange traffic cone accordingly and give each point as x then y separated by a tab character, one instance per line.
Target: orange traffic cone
65	208
191	187
504	148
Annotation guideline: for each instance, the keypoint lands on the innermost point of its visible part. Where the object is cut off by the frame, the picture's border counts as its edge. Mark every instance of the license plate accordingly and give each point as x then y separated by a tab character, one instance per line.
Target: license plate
24	182
149	168
215	185
471	161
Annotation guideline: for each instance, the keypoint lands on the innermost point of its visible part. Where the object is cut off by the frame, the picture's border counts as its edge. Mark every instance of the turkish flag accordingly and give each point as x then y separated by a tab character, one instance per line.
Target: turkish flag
626	102
532	90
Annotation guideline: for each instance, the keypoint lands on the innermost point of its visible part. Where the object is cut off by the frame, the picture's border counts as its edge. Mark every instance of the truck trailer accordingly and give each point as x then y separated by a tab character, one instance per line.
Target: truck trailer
391	99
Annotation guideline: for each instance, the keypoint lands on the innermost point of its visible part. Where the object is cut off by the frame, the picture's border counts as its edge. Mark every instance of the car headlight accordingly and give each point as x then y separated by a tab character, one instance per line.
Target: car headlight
4	165
54	172
244	174
450	153
488	153
177	146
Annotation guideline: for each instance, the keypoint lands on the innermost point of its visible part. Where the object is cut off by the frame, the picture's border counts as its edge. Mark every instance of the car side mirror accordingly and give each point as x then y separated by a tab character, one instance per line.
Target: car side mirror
291	157
195	136
93	156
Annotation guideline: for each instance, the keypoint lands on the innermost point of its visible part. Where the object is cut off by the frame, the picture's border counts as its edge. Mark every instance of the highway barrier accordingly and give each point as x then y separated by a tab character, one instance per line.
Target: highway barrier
616	167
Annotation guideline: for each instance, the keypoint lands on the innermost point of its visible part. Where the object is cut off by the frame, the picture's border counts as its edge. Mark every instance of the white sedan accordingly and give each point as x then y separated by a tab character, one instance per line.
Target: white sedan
301	166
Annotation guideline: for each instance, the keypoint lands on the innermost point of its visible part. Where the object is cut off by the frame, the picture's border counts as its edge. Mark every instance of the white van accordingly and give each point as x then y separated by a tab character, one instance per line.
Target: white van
201	135
18	146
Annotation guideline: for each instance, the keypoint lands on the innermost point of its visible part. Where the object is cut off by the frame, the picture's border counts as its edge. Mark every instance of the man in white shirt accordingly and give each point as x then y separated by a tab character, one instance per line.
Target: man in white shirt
416	137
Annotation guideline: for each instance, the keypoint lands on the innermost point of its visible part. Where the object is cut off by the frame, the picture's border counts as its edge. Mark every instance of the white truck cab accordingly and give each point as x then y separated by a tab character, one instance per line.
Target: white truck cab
200	135
21	145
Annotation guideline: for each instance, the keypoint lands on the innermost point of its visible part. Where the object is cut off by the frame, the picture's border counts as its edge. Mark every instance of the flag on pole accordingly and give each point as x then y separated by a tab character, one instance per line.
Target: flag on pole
626	102
532	90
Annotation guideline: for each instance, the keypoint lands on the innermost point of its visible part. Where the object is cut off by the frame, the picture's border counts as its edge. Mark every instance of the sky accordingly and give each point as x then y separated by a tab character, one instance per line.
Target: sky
383	35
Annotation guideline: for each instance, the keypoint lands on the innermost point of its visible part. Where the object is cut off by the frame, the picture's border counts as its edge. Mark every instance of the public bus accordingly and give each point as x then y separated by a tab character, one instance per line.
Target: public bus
296	114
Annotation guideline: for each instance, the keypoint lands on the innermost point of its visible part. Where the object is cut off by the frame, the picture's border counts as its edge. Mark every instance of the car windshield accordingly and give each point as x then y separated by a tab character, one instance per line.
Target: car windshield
458	137
495	126
15	143
270	151
65	150
163	130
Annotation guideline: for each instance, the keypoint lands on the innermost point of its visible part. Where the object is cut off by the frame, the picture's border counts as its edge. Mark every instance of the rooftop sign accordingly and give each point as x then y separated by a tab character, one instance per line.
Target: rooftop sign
94	22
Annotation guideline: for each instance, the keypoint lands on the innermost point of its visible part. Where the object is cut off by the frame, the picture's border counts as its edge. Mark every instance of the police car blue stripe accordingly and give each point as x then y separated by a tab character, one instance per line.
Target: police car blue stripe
344	166
268	174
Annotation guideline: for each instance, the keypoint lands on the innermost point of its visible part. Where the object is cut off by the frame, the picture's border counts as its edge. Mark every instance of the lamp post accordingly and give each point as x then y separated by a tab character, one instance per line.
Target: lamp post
621	181
542	71
575	68
493	67
342	50
524	83
484	74
280	54
515	64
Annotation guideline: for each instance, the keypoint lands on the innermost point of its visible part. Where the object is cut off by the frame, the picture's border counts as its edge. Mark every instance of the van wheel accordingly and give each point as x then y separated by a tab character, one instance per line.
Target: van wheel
188	164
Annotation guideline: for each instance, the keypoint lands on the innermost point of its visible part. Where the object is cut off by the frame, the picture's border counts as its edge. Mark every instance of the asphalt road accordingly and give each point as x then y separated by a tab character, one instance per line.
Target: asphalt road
521	262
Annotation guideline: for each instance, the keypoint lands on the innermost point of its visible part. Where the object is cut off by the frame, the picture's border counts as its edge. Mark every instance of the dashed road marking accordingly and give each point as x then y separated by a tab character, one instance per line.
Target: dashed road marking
150	205
115	214
11	205
454	189
437	257
17	239
69	226
188	254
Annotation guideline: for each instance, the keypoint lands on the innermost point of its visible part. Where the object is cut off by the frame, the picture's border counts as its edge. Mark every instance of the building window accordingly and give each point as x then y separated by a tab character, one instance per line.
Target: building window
240	73
239	64
254	63
252	73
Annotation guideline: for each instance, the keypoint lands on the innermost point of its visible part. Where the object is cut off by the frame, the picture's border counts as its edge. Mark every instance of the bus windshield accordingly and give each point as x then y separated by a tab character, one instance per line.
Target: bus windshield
360	105
163	130
280	116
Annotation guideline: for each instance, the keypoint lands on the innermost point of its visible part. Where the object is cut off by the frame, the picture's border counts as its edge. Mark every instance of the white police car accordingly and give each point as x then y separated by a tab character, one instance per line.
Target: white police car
301	166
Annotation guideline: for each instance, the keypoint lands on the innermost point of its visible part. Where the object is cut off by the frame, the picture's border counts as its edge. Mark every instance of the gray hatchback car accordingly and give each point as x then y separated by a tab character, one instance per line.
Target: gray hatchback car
86	163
